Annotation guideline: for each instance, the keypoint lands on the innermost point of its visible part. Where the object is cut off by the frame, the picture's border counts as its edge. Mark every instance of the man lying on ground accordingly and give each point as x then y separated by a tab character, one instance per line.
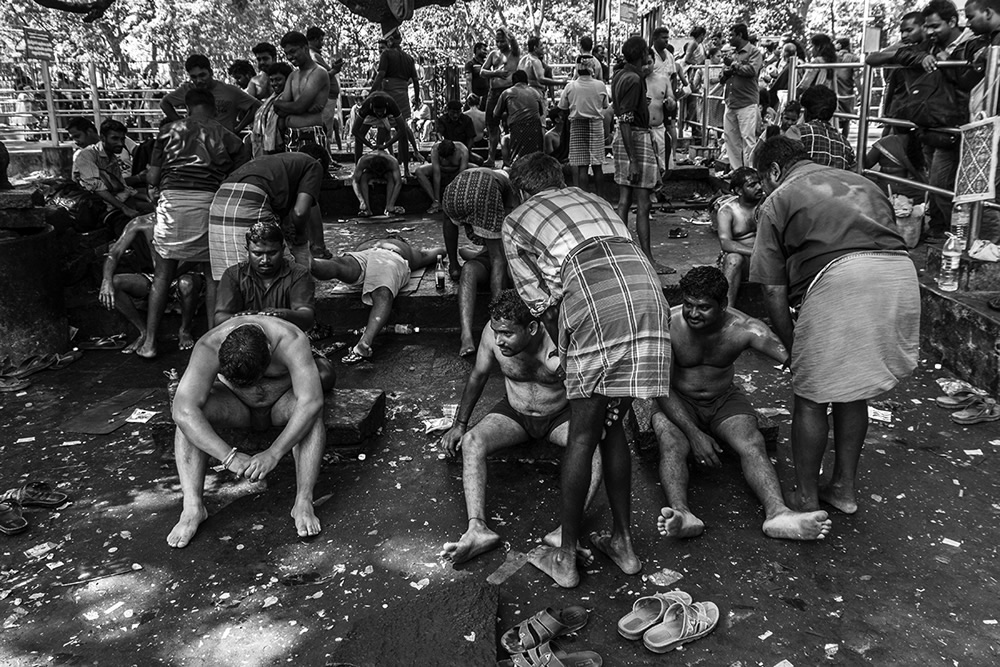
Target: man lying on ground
534	406
704	408
253	371
118	290
382	267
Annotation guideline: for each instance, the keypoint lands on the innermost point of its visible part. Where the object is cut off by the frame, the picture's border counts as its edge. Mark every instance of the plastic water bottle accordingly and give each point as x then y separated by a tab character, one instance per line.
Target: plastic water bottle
951	254
960	224
401	329
440	276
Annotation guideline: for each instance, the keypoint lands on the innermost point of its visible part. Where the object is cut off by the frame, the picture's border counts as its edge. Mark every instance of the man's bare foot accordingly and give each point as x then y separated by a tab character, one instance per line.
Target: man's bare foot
557	562
618	550
467	346
678	523
840	497
185	341
663	269
478	539
147	350
584	556
306	521
186	526
135	345
789	525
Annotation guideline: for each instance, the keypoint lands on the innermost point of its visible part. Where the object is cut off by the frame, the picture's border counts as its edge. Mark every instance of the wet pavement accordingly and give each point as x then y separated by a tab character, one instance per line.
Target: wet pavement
909	580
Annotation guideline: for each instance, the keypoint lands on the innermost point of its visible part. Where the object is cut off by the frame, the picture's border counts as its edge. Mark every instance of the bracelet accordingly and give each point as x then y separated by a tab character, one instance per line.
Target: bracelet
463	423
229	459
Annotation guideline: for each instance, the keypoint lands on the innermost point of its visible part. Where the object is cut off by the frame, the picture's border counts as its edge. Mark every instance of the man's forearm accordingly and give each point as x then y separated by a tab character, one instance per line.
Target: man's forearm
193	423
675	412
776	302
470	396
627	139
111	200
169	110
245	121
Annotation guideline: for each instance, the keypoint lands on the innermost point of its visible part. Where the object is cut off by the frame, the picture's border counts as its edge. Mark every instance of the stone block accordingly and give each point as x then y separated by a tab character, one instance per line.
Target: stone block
22	218
353	415
19	198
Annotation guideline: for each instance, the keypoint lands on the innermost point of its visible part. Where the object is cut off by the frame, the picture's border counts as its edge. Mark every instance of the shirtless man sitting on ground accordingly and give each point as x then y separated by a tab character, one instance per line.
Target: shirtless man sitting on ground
534	406
738	228
382	267
448	159
252	371
704	407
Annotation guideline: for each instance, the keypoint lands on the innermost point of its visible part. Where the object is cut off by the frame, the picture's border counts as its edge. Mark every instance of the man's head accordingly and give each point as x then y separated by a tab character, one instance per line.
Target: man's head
739	35
266	55
536	46
704	292
698	33
911	28
941	21
775	157
790	114
394	39
453	109
277	75
113	136
586	43
380	106
660	37
635	50
818	103
265	245
199	70
244	355
536	172
296	48
519	76
473	101
241	72
82	131
843	43
200	102
479	50
745	183
983	16
514	327
318	153
446	148
502	40
314	37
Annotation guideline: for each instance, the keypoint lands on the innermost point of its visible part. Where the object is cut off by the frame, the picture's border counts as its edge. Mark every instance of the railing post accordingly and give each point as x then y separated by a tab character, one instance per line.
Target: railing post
990	81
706	69
793	74
864	103
50	102
95	100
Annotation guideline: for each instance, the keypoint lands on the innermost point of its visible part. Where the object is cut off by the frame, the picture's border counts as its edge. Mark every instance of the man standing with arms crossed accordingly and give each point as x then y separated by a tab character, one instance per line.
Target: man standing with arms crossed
742	97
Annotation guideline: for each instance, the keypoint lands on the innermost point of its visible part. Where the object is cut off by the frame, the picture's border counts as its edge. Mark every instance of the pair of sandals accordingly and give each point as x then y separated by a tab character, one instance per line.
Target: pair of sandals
365	212
14	377
37	494
970	407
666	621
115	342
529	643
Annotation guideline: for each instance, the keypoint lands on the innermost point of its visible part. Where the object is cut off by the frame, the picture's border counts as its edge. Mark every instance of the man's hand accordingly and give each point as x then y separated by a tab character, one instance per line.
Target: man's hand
239	463
706	450
107	295
130	212
452	439
634	173
260	464
929	63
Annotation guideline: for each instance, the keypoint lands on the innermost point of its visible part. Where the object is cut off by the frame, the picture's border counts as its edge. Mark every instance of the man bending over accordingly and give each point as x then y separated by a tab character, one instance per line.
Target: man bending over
534	406
704	408
448	159
252	371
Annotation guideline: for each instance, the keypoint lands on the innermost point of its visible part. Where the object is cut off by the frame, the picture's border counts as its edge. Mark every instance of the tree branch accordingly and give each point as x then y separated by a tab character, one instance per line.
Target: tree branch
93	10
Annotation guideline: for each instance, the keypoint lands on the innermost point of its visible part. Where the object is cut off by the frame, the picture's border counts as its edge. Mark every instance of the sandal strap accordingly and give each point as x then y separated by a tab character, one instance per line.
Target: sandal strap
540	656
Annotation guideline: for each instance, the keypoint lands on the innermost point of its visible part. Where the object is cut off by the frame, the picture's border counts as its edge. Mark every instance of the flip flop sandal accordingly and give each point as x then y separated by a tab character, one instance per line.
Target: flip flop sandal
395	210
13	384
435	208
960	399
681	624
983	410
115	342
64	360
677	233
32	365
364	213
355	356
35	494
543	626
11	521
647	612
549	655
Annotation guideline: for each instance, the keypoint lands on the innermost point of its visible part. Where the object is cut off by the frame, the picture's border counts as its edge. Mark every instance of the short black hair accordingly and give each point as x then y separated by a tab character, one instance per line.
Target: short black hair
81	124
519	76
265	47
453	104
111	125
536	172
507	305
293	38
533	42
241	67
314	32
843	43
199	97
916	17
661	30
741	31
698	31
634	48
819	103
446	148
477	45
739	178
197	60
317	152
946	9
706	282
792	105
587	43
265	232
280	68
244	355
781	151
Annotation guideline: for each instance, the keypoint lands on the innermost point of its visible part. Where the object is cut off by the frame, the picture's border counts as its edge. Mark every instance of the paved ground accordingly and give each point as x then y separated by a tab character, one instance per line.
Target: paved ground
885	589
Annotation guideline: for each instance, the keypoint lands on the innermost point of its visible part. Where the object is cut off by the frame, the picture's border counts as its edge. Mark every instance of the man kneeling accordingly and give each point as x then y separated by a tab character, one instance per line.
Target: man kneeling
251	371
534	406
704	406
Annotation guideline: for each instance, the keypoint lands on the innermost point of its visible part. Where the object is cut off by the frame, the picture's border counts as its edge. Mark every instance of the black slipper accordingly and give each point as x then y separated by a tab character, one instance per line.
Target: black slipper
11	521
994	303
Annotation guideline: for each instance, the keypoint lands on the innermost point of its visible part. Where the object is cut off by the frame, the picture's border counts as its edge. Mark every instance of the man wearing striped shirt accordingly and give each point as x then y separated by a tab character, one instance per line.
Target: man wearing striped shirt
576	267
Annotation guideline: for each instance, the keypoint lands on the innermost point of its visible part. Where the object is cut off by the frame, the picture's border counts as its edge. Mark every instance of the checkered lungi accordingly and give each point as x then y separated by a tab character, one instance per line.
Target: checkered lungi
474	200
614	323
645	156
296	137
586	142
235	208
525	138
181	229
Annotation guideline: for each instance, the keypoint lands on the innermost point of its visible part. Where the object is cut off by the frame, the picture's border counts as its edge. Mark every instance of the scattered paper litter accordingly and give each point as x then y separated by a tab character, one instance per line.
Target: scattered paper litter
140	416
439	424
884	416
21	441
270	602
990	621
40	550
765	635
664	577
974	452
471	637
420	585
113	608
831	650
950	542
784	663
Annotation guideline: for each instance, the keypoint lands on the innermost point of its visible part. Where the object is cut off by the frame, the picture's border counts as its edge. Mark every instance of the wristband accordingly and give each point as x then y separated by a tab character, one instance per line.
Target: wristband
229	459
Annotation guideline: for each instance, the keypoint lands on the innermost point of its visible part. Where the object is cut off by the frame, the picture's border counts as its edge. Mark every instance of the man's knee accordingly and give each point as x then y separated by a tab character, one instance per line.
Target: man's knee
473	445
669	438
733	261
186	285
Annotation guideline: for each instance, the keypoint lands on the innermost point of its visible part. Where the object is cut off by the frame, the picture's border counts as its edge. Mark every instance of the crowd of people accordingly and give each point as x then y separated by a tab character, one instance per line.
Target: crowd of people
579	327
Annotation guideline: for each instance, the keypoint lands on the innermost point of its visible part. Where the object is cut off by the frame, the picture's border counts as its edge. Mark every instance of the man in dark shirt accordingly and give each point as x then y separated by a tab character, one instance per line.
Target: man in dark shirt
233	107
455	125
378	110
396	71
475	82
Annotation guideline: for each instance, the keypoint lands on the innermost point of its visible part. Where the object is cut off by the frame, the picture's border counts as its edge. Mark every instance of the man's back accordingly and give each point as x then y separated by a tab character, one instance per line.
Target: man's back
195	154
